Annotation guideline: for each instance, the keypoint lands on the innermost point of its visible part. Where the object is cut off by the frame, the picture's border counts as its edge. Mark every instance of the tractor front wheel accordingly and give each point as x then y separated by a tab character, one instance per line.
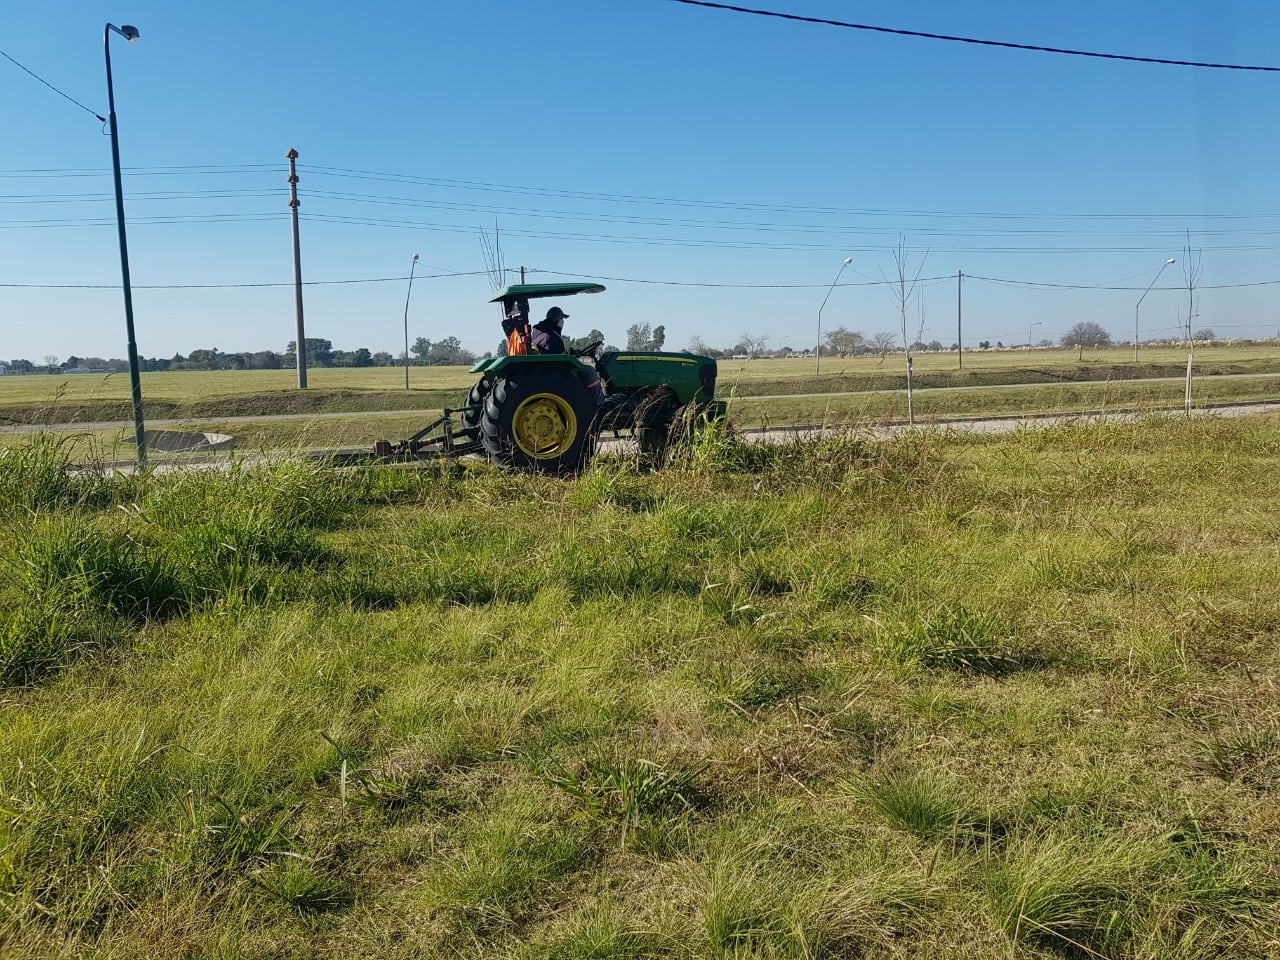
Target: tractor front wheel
655	425
540	422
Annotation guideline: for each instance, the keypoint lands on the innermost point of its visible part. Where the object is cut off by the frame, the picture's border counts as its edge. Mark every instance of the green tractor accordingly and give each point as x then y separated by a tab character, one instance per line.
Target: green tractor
536	412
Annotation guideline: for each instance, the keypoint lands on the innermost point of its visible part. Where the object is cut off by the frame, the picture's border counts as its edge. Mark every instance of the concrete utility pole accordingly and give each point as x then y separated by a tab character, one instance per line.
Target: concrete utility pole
297	271
959	331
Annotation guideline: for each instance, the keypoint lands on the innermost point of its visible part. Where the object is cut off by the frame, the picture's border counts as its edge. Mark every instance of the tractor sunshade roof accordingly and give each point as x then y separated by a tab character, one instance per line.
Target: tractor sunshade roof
531	291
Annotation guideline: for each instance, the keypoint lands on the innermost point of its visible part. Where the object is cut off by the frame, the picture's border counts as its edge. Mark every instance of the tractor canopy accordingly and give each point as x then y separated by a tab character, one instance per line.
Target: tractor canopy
532	291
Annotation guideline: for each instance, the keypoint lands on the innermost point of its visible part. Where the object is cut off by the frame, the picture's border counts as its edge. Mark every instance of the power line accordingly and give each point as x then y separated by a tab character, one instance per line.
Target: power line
234	286
947	278
861	247
973	40
348	173
52	87
54	173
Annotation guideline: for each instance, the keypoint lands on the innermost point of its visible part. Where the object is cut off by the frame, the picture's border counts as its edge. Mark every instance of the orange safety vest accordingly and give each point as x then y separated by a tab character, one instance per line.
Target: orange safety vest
517	343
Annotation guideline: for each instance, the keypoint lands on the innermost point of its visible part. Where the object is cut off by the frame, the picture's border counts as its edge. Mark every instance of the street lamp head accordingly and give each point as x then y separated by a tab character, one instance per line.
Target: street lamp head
415	258
1169	261
848	260
130	33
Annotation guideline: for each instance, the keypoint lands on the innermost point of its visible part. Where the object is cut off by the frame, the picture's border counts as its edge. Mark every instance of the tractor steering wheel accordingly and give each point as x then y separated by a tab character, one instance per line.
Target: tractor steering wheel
589	350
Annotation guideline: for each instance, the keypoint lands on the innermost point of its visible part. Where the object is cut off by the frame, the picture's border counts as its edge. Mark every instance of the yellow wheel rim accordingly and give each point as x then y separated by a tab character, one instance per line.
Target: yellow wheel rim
544	426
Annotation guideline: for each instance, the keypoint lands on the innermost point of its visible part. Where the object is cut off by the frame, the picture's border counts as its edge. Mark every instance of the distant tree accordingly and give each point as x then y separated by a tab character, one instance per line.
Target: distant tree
203	359
697	345
421	349
581	343
883	342
639	336
319	352
361	357
843	341
658	339
1086	333
984	344
51	362
449	352
935	345
1204	333
753	344
383	359
264	360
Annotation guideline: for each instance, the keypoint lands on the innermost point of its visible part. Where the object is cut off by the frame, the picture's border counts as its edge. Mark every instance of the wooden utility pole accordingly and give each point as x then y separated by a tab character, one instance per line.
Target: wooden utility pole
959	331
297	271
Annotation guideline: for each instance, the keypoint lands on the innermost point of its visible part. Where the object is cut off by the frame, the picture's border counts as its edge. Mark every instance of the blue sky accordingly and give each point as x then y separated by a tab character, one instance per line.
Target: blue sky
656	144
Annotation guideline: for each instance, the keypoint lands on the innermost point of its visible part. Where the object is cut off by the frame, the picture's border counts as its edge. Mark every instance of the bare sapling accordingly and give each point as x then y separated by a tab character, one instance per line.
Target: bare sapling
1191	270
905	292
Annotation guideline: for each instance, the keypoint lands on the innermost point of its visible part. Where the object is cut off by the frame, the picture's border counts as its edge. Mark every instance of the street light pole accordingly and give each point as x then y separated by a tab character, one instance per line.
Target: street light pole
413	264
1168	262
135	380
817	347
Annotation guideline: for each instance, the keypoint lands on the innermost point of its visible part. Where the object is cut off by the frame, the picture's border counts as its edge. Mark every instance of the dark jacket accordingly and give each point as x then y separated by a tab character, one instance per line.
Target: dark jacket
547	339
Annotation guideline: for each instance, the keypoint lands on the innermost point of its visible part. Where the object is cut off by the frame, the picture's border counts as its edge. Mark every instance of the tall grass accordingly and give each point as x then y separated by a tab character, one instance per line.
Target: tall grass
38	476
935	696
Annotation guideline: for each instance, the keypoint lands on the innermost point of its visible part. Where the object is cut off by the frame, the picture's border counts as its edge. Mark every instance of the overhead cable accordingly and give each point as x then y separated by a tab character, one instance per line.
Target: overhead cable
52	87
1034	48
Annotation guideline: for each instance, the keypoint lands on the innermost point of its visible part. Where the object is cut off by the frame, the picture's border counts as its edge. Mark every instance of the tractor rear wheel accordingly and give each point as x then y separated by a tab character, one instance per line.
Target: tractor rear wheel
539	421
473	409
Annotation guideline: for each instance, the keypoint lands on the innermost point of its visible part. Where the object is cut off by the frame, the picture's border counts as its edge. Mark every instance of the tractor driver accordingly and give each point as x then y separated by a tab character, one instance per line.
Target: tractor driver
547	339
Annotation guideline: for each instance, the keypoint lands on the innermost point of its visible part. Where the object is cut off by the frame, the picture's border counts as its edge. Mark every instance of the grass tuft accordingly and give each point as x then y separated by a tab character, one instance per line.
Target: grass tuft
1250	756
631	792
957	638
37	476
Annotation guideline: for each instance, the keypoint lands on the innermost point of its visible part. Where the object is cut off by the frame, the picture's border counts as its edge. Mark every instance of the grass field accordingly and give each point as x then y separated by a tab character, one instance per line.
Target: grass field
184	389
359	430
938	696
764	392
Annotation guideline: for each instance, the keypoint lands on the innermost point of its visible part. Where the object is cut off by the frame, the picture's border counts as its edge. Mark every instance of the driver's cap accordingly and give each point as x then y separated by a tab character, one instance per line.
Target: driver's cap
555	313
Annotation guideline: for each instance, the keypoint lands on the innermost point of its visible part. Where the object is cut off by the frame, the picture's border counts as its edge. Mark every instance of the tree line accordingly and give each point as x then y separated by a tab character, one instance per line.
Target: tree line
320	353
837	342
